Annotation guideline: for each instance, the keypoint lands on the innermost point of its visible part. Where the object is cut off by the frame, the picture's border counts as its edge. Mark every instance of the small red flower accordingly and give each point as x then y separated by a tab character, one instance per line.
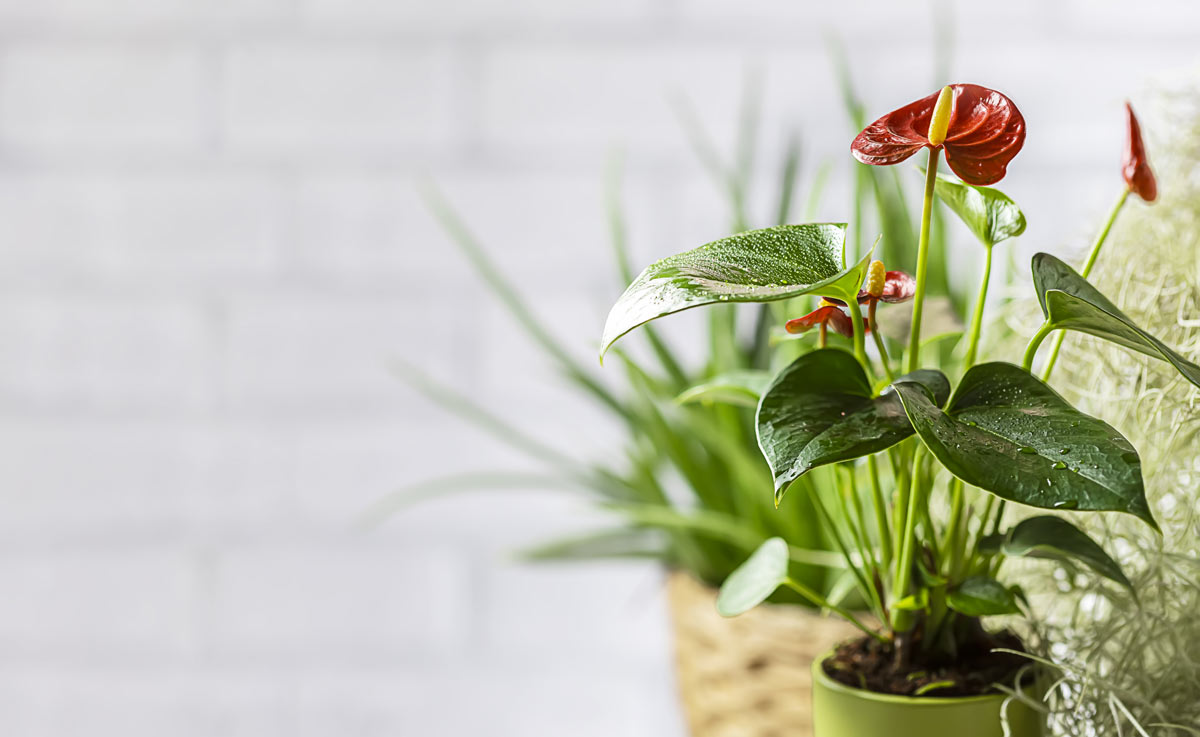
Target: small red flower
881	286
985	132
896	286
827	314
1136	167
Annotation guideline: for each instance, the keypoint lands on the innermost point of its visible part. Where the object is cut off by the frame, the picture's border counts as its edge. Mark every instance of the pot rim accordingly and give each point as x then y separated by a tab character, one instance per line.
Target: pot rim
819	675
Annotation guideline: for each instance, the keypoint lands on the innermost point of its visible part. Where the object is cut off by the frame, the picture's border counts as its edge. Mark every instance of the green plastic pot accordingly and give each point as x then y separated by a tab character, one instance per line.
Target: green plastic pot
842	711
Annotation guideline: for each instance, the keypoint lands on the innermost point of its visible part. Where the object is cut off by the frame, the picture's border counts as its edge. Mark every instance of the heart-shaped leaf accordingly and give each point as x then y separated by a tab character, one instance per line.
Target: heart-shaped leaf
990	214
1009	433
753	581
1057	539
741	388
980	596
1069	302
820	410
755	266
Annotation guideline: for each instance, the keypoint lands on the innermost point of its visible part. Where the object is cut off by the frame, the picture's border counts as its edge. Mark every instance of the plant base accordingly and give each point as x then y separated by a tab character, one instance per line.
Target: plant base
842	711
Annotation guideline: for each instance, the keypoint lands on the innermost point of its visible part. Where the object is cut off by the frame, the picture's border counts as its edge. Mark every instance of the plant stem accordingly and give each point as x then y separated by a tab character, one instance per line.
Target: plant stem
824	603
881	518
903	572
853	514
900	514
822	335
855	569
1087	269
914	336
977	318
952	545
860	339
1112	218
883	354
1034	343
999	516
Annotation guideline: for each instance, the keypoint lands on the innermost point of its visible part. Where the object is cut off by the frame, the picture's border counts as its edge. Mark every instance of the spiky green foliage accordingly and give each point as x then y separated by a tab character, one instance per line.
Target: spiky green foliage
690	488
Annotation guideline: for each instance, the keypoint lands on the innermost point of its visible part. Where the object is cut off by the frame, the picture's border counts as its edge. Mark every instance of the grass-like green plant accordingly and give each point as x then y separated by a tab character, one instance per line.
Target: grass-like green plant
890	424
688	489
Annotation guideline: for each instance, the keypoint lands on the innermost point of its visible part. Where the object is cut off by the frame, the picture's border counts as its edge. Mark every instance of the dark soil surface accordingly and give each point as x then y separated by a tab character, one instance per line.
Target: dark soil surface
869	664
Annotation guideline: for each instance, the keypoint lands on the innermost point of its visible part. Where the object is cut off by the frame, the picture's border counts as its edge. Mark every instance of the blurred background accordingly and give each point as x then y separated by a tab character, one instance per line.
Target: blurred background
214	252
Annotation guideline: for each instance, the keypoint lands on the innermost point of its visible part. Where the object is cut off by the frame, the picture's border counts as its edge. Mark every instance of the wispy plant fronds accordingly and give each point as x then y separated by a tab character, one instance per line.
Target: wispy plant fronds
1131	666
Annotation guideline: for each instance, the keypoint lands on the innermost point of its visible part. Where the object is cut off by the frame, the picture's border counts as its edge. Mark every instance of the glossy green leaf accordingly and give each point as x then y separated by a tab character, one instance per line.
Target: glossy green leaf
1057	539
980	596
820	410
1069	302
989	213
754	266
741	388
1009	433
753	581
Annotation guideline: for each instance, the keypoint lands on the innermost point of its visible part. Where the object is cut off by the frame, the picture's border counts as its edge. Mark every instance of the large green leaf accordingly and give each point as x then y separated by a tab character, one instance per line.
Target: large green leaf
754	266
980	596
1057	539
990	214
741	388
1069	302
820	409
1009	433
753	581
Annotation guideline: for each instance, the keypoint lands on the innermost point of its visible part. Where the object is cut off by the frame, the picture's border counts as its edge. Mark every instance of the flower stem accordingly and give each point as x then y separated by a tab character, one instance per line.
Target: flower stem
914	337
860	339
977	318
879	345
1087	269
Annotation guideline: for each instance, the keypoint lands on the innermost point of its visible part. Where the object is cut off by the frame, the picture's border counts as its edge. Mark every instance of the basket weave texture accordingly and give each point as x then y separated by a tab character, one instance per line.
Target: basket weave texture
747	676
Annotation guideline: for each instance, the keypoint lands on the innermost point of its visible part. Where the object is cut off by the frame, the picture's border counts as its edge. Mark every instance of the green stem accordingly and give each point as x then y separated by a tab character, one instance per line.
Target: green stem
914	333
856	569
977	318
952	545
881	516
883	354
860	338
852	512
1087	269
903	573
824	603
900	513
999	516
1034	343
1112	218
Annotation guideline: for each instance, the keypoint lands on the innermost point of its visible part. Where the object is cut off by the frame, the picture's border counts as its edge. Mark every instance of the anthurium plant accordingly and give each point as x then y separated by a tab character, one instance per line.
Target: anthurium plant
928	466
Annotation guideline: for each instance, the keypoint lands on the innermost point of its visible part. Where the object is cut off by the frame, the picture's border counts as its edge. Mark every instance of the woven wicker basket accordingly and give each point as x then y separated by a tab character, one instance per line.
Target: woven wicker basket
748	676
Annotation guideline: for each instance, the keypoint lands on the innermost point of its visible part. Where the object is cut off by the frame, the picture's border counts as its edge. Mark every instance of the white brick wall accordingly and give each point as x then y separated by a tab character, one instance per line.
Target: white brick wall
212	248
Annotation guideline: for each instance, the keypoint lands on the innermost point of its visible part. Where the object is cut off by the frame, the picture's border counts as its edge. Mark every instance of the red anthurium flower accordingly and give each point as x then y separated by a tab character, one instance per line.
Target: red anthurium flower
828	315
985	132
1136	167
884	286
